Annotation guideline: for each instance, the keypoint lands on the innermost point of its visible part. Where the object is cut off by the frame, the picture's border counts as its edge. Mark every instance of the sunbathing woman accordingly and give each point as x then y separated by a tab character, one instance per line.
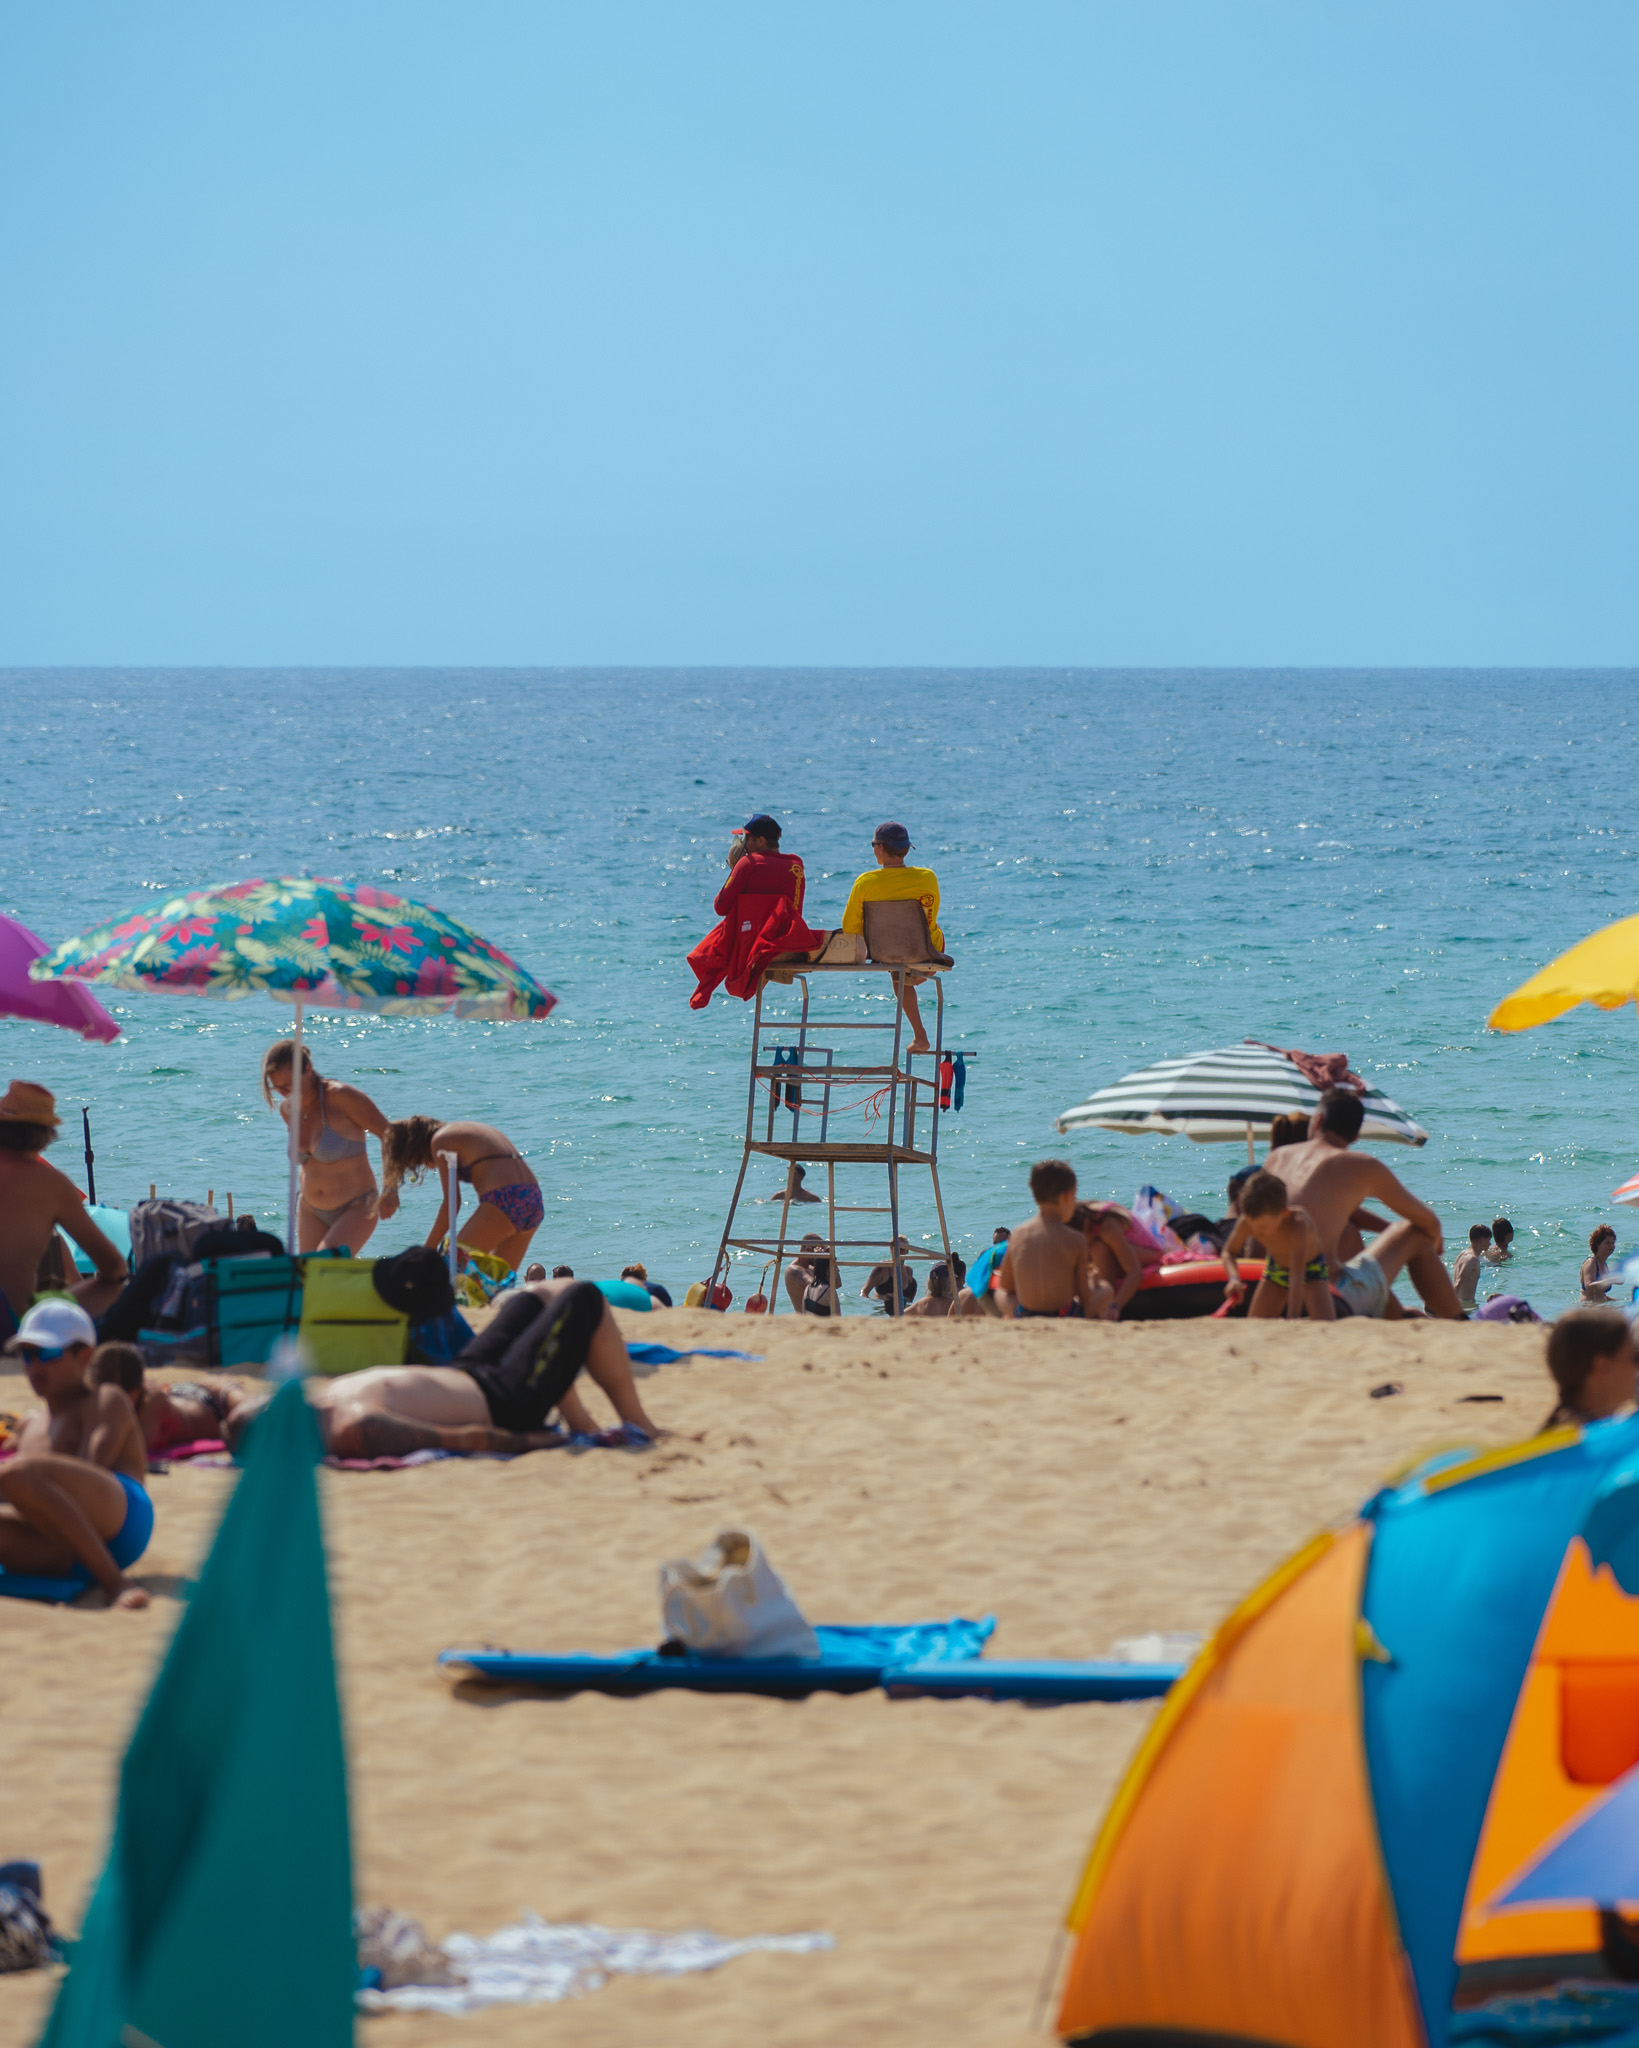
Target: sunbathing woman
338	1188
184	1412
510	1208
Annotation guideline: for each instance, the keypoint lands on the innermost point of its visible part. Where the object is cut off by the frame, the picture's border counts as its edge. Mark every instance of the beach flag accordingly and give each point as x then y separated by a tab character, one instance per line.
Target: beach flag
224	1912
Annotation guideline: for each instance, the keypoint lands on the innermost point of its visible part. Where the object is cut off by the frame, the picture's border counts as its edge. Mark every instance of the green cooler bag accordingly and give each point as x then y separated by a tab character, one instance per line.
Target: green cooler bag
253	1303
345	1324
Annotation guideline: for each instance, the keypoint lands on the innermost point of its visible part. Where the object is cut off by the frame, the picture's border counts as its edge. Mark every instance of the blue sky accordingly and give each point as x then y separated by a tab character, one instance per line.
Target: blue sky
1150	332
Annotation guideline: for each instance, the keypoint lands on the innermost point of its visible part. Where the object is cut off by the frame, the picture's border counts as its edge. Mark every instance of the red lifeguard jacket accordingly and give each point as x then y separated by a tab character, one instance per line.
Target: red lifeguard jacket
761	908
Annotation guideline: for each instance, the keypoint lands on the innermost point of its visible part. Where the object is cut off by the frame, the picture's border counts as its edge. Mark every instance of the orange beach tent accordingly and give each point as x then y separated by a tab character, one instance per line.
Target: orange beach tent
1317	1841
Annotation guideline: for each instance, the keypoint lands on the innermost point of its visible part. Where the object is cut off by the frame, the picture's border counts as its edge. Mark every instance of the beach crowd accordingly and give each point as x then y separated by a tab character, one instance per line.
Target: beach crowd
1320	1230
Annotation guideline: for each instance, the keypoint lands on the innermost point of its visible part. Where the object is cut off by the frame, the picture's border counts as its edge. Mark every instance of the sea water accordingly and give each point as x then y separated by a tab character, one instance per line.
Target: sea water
1133	866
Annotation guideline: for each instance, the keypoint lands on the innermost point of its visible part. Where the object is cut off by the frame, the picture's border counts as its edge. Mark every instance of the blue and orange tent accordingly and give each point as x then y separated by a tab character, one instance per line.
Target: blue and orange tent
1388	1805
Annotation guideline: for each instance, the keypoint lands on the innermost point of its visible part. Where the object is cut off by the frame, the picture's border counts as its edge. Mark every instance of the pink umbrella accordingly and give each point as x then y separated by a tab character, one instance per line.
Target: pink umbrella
63	1003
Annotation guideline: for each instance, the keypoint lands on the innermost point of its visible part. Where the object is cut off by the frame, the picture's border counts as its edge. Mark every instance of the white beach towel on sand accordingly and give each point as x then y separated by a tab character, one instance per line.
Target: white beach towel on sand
536	1963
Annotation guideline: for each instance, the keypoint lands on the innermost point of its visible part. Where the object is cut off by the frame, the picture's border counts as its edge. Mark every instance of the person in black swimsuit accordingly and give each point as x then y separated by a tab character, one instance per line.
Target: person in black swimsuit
810	1281
499	1394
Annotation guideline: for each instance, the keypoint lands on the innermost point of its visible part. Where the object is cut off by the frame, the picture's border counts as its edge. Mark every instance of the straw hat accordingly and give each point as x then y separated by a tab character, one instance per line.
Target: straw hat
26	1102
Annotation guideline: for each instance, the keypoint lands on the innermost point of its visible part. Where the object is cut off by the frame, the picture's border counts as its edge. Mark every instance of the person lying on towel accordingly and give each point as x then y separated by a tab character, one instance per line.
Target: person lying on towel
72	1501
186	1411
496	1397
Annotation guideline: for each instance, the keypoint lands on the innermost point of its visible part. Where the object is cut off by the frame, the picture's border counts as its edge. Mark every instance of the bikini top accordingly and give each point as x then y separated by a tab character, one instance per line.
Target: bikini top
330	1146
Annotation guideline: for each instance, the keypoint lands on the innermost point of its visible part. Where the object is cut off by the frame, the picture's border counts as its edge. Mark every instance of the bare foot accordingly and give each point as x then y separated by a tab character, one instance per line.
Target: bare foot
130	1596
919	1045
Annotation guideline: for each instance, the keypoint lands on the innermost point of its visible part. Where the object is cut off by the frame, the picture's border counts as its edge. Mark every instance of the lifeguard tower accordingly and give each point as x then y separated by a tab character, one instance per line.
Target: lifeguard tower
844	1092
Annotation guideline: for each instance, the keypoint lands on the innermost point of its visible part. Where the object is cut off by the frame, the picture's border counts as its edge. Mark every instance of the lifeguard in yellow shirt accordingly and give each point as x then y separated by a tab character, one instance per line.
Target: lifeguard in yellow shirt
890	881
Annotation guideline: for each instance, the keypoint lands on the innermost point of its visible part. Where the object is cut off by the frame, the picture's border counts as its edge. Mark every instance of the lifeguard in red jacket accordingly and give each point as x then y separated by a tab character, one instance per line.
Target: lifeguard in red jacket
761	908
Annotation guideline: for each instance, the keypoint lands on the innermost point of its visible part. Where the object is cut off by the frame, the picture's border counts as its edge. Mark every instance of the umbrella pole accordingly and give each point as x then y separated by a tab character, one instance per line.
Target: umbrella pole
294	1120
452	1169
1251	1154
90	1161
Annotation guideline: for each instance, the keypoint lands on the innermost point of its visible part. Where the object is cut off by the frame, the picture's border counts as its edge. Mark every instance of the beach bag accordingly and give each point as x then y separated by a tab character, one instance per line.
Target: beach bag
1507	1308
185	1305
440	1340
168	1226
345	1324
26	1940
731	1602
254	1302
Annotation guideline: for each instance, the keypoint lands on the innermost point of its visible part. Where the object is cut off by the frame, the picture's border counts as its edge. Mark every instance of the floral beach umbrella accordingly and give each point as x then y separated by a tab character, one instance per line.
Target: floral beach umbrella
312	943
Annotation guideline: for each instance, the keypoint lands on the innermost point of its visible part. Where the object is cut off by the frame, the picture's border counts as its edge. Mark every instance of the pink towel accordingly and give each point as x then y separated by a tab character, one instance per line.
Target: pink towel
1321	1070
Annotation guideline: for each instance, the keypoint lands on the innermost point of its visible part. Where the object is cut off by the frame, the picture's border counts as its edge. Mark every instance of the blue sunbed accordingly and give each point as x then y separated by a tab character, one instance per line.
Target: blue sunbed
1045	1681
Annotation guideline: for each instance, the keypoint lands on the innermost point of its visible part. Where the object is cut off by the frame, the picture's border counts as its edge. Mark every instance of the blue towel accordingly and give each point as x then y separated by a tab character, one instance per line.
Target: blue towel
922	1660
20	1586
915	1642
663	1354
1043	1681
850	1660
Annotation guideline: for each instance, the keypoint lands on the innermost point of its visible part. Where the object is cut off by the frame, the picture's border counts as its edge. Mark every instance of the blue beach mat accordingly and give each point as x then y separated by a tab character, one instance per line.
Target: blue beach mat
663	1354
850	1660
926	1660
1043	1681
20	1586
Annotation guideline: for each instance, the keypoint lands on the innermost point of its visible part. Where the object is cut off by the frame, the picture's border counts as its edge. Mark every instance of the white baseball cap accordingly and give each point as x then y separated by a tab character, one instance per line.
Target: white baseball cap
54	1326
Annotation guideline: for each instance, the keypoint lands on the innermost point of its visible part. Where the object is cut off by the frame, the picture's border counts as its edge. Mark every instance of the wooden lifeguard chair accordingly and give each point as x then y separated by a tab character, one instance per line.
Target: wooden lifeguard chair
800	1062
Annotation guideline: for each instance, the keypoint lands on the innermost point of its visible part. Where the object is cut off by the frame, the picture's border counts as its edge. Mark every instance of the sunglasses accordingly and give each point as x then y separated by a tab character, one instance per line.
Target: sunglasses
39	1354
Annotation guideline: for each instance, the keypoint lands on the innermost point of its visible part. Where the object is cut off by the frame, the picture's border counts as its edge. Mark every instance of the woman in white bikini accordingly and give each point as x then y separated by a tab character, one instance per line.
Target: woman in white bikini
338	1185
510	1207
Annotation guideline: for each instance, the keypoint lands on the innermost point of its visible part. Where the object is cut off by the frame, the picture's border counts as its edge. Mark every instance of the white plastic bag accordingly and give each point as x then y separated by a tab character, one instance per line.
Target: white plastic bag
731	1602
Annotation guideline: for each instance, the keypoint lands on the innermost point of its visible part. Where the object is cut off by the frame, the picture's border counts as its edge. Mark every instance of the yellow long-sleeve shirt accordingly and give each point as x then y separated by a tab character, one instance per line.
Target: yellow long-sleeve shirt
896	885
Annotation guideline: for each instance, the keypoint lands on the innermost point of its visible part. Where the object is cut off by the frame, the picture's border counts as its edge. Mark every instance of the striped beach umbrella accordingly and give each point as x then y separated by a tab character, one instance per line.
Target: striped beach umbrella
1628	1193
1233	1093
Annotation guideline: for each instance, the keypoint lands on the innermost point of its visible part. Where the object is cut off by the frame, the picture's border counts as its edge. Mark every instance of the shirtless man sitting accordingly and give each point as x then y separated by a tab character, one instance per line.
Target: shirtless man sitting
72	1502
1294	1281
1046	1270
1331	1183
496	1398
34	1199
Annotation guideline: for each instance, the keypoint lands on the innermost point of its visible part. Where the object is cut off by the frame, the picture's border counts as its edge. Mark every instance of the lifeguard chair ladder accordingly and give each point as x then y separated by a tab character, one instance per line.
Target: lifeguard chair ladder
803	1086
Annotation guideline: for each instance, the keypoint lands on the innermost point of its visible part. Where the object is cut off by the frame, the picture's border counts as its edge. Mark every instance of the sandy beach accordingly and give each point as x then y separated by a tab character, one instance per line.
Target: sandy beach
1081	1484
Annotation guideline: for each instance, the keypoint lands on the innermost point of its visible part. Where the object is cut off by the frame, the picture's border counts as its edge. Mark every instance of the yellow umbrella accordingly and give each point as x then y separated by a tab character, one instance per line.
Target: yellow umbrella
1602	970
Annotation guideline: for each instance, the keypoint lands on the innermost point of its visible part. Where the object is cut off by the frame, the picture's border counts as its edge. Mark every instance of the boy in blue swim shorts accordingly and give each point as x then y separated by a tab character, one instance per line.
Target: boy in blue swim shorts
72	1502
